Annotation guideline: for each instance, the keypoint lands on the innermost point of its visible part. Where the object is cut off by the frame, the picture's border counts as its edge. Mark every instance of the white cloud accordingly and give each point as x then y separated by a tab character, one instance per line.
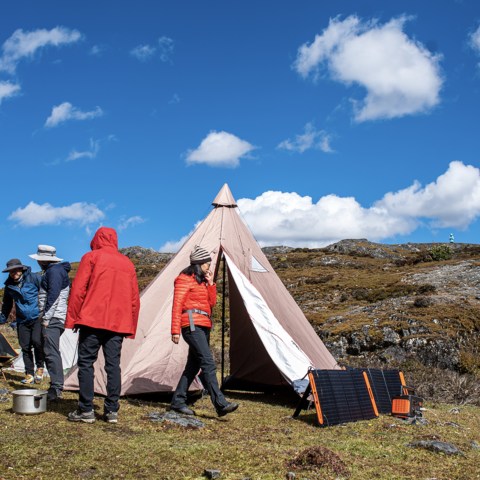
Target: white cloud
143	52
475	40
165	47
281	218
311	139
400	75
34	215
7	90
24	44
130	222
92	153
146	52
66	111
453	200
98	50
220	149
174	245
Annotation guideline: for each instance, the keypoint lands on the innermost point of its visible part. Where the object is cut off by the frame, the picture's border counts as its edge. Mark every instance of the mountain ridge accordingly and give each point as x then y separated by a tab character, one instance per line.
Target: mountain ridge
379	304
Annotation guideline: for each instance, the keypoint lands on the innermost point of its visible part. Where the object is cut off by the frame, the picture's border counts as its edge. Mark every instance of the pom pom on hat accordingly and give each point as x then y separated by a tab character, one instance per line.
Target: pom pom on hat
199	255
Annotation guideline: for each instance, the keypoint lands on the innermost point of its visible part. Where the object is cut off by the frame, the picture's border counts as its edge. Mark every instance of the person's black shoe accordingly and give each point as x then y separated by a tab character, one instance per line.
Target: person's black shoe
229	408
53	395
85	417
183	410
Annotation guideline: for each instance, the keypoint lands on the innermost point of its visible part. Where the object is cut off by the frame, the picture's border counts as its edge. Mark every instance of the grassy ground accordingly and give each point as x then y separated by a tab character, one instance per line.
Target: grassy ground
260	439
255	442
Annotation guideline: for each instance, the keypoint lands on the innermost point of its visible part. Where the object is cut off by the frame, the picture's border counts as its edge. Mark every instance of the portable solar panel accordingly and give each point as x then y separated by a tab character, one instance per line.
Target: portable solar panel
7	354
6	350
385	385
340	396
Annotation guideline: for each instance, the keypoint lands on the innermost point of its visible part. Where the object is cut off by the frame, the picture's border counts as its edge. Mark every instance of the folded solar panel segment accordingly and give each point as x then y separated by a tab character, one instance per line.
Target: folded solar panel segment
6	350
342	396
385	385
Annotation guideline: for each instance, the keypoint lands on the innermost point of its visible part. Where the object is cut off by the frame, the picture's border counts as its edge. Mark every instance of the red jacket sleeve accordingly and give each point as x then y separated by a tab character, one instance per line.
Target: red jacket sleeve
212	294
135	305
180	292
79	291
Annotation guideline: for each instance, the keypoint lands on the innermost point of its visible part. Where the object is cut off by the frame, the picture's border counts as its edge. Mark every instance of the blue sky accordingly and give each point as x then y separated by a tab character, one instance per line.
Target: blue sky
328	120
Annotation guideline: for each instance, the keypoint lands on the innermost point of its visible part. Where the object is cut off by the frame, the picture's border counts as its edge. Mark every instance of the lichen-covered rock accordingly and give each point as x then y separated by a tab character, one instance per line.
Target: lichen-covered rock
390	336
436	446
175	418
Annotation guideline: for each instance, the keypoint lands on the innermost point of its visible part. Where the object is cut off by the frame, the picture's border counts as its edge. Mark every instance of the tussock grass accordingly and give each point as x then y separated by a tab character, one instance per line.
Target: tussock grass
258	441
261	440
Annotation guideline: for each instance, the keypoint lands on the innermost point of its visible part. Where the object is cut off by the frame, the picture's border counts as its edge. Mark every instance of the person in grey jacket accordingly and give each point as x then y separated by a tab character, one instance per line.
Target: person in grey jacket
52	303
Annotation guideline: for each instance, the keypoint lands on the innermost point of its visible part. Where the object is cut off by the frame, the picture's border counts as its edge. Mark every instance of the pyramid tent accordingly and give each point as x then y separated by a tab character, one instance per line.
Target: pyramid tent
271	341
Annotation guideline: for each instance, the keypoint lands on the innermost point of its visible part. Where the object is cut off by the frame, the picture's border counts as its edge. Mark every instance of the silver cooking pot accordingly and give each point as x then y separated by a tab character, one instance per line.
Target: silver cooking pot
29	401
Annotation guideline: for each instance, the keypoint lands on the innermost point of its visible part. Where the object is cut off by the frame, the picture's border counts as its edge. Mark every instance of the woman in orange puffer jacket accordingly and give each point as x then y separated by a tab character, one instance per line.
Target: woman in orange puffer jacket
194	296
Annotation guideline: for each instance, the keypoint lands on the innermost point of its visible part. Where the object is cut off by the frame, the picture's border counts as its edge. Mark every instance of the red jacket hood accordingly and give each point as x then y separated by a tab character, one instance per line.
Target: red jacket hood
104	237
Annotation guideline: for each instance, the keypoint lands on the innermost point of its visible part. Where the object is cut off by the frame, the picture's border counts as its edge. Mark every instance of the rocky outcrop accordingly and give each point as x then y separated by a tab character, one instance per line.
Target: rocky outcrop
364	248
390	303
146	256
387	303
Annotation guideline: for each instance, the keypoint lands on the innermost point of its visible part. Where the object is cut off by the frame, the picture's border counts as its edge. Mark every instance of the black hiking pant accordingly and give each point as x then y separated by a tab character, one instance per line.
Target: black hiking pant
199	357
89	342
53	358
31	343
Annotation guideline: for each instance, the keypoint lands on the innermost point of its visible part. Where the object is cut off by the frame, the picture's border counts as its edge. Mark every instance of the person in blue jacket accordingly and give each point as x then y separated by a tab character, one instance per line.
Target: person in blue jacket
52	303
21	288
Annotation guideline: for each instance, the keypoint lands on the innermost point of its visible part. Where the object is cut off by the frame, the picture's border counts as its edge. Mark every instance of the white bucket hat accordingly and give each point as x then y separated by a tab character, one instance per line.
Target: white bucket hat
46	253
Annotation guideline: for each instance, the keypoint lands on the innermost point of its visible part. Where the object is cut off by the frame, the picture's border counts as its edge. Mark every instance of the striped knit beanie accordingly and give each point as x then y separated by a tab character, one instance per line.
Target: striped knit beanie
199	255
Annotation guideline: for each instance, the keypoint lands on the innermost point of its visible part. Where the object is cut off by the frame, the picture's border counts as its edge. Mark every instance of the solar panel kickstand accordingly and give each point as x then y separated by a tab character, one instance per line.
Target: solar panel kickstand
302	404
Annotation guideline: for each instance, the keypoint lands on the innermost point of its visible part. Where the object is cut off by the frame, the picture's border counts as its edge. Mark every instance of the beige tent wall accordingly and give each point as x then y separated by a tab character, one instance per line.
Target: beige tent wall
152	363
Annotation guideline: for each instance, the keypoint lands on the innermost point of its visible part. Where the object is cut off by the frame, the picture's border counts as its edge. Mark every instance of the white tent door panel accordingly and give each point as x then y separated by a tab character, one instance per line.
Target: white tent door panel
292	362
68	351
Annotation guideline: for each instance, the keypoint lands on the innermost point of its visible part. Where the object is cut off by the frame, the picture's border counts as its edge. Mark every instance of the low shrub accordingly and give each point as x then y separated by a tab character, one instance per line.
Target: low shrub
421	302
440	252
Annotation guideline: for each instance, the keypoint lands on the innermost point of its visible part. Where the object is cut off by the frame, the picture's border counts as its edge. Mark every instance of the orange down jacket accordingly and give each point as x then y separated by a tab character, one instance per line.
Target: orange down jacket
189	294
105	290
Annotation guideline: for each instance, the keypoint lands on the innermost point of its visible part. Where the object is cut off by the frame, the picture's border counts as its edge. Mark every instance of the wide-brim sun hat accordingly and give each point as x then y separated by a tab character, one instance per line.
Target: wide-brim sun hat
13	264
46	253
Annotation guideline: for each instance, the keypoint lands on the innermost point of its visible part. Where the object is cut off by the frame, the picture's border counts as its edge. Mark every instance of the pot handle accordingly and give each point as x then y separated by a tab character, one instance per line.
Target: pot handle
37	398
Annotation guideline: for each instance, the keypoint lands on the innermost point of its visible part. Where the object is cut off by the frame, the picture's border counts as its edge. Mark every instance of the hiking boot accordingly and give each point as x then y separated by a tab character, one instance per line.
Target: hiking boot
28	380
39	375
110	417
85	417
183	410
54	394
229	408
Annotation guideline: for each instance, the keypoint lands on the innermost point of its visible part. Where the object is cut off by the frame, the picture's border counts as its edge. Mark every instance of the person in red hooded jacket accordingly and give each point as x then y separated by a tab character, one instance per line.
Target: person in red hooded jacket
104	306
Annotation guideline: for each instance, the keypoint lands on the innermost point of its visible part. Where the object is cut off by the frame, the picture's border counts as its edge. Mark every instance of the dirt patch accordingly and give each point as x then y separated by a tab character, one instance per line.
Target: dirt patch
319	457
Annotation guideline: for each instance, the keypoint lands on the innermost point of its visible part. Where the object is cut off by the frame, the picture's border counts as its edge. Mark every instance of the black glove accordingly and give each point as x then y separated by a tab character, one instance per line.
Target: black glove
3	319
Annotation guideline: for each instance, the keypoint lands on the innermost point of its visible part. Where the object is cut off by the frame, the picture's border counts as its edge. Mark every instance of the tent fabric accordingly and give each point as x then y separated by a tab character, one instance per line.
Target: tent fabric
153	363
282	349
68	350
